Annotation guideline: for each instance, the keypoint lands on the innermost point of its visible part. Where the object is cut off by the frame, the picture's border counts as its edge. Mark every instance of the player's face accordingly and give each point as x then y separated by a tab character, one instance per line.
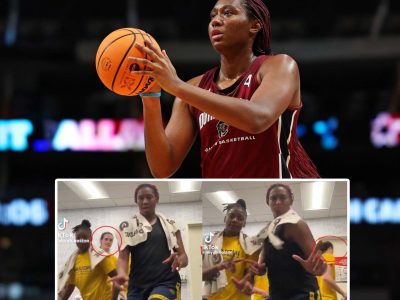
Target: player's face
235	219
229	25
147	201
107	242
279	201
82	237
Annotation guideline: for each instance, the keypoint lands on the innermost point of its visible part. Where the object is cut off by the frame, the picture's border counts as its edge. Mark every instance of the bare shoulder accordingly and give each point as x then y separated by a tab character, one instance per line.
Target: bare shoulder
280	63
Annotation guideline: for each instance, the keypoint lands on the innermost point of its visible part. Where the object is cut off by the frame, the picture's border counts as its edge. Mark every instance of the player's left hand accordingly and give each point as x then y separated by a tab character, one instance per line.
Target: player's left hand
243	285
161	68
315	263
175	260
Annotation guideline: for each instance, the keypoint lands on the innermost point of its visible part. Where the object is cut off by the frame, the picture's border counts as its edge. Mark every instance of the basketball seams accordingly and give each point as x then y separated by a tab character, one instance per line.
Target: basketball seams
122	60
141	79
124	48
109	44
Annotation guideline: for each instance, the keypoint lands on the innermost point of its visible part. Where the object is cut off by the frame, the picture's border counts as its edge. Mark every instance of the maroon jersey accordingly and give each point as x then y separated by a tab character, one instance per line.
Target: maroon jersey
228	152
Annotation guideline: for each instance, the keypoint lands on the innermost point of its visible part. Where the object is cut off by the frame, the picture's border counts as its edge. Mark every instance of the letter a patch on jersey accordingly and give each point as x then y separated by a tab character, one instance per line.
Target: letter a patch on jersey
248	80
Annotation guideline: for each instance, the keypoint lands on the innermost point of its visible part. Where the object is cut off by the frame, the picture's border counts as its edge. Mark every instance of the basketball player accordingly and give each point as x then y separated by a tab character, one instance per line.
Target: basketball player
86	270
232	247
148	239
288	241
326	282
246	109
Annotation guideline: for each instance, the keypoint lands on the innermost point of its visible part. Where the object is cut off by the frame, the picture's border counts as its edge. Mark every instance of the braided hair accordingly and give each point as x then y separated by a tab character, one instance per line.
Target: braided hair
84	225
240	203
257	10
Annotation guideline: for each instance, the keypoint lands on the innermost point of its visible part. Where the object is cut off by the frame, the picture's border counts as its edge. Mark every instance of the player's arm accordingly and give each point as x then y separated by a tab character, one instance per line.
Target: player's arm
123	261
178	259
301	234
66	292
279	87
120	277
167	148
182	256
330	282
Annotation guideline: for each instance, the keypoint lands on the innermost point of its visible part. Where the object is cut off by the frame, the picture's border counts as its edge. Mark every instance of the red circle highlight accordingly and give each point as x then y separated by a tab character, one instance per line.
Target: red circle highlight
119	244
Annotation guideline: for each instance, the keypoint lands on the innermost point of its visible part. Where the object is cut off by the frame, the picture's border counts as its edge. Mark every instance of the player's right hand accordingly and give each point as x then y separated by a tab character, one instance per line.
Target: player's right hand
229	264
119	281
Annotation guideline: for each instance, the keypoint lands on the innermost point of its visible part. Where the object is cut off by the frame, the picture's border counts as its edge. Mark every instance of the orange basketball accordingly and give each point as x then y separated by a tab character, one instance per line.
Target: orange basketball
113	66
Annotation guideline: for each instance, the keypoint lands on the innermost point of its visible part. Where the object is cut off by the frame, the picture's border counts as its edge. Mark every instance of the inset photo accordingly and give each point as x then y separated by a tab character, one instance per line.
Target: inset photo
276	240
128	239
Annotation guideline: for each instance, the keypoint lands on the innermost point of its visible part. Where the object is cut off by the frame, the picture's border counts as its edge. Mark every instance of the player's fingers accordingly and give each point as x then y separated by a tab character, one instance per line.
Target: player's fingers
236	282
315	257
143	61
254	269
175	264
148	73
153	47
170	259
317	265
148	49
164	52
298	258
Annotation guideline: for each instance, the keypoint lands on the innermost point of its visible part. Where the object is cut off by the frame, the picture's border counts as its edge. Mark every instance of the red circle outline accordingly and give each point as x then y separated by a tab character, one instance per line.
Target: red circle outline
119	245
334	237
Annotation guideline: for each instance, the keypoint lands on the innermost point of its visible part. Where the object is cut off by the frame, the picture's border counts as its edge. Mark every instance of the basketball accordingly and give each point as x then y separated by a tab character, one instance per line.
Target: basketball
113	66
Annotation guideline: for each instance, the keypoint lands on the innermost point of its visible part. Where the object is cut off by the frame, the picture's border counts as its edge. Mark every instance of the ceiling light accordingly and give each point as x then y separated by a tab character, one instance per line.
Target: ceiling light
317	195
87	190
184	186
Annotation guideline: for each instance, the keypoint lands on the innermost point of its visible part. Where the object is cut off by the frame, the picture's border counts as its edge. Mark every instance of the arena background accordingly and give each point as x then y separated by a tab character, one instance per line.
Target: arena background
348	54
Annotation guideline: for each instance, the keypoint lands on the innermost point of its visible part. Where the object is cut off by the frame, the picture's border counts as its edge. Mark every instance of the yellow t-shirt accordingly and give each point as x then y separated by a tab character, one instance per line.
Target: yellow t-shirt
110	284
231	245
92	284
326	292
262	283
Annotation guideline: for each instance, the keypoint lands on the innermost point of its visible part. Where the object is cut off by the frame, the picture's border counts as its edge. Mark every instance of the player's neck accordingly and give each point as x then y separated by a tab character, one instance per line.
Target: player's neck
235	64
152	219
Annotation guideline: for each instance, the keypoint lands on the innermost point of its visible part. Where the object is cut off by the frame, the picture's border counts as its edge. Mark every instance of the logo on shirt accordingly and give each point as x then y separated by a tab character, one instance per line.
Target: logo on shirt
204	118
222	129
123	225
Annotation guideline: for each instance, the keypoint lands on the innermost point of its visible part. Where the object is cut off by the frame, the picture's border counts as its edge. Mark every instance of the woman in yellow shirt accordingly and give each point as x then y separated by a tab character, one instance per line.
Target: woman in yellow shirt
224	256
89	271
326	282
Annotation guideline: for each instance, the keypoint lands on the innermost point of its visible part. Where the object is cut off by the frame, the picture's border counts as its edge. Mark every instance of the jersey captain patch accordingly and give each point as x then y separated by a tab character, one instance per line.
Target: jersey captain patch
248	80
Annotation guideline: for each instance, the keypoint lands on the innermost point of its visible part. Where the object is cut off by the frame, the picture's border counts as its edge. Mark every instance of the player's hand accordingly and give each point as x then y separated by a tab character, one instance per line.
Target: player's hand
314	264
160	66
176	261
119	281
244	284
229	264
255	267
